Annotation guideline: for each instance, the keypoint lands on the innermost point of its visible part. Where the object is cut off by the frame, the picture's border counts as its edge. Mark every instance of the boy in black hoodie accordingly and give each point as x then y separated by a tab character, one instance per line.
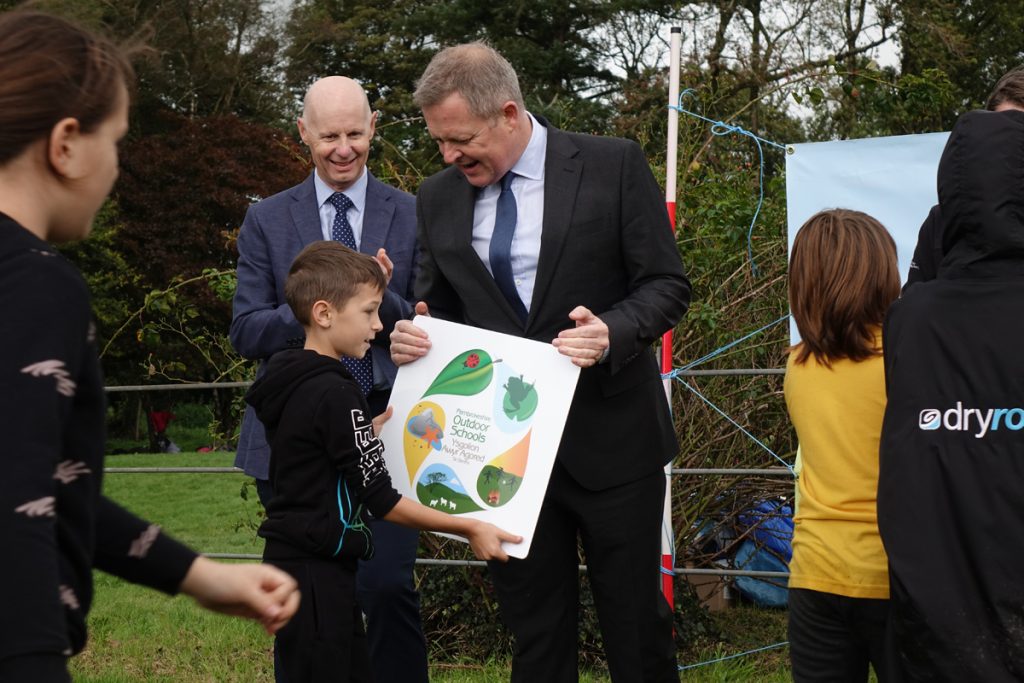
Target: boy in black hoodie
327	466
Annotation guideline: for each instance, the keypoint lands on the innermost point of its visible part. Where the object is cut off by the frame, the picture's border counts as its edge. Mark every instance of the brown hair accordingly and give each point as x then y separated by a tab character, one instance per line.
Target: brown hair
476	71
843	275
51	69
1009	89
328	271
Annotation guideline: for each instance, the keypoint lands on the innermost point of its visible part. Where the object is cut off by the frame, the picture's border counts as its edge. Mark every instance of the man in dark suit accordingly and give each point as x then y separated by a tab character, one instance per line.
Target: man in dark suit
340	200
589	265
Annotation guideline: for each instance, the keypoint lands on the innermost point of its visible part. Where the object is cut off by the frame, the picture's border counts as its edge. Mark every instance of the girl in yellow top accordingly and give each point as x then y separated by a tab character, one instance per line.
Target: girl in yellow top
843	276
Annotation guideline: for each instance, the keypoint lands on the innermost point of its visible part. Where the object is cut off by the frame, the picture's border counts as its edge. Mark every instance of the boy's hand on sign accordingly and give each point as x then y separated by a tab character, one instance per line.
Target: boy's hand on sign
486	539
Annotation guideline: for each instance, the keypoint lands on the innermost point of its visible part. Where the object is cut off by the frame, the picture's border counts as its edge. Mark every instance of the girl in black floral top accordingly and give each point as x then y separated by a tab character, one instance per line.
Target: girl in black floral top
63	109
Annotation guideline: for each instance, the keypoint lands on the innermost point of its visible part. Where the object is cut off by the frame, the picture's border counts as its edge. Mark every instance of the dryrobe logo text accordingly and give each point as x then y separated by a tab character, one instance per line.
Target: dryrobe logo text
980	421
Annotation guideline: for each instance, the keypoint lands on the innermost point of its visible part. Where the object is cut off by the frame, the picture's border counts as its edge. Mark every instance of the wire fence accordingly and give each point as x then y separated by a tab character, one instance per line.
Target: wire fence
679	571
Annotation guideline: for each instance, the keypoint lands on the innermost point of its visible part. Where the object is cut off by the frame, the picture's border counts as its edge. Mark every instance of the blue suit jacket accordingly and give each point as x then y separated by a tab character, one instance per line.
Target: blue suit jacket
275	230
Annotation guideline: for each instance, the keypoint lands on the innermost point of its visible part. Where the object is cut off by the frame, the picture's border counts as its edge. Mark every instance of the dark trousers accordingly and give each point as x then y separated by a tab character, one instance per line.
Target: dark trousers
38	668
620	529
833	638
325	641
386	593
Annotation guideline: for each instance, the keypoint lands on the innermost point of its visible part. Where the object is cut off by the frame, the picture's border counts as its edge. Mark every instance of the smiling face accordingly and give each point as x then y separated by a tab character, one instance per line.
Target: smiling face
355	324
337	126
482	149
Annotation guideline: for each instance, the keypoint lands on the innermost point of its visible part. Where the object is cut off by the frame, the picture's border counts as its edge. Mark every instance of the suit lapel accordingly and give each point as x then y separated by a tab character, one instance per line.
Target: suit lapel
377	220
460	196
562	172
306	212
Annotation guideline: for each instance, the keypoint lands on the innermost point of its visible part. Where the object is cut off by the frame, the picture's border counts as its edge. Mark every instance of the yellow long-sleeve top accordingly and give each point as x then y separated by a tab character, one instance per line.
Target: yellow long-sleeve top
837	414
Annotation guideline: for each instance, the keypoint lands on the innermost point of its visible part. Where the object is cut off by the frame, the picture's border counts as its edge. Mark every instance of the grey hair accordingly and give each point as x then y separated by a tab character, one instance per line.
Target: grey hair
476	71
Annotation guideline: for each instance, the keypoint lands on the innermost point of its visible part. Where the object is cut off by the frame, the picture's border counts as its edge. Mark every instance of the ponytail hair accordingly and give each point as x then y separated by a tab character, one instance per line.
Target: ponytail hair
51	69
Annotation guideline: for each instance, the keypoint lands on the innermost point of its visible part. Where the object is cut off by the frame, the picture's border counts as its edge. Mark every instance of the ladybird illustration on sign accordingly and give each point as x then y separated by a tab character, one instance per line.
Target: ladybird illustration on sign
482	415
467	374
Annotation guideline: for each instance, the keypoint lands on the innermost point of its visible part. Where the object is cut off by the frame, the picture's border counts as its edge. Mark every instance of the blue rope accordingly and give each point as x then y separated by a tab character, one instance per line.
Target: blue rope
722	349
737	425
674	374
741	654
722	128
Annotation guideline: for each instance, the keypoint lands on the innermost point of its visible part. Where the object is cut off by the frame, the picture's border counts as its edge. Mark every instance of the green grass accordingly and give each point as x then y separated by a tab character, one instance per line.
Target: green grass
139	635
206	511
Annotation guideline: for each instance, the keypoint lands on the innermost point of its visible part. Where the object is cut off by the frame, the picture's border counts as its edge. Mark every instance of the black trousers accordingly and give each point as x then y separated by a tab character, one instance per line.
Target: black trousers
620	529
387	595
325	641
833	638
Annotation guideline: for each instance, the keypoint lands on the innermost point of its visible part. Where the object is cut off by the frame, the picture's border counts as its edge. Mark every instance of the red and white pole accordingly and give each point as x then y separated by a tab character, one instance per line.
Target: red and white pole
667	534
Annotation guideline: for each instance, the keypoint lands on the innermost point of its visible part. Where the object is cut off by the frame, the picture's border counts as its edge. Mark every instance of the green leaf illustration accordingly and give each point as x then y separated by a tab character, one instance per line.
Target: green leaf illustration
520	400
468	373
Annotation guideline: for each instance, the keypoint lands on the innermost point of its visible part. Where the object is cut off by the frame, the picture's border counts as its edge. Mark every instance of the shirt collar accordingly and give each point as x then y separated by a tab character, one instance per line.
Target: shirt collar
356	193
531	162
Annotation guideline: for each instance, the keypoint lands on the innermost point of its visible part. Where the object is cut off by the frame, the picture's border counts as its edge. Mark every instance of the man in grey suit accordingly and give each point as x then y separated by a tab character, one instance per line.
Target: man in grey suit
340	200
561	238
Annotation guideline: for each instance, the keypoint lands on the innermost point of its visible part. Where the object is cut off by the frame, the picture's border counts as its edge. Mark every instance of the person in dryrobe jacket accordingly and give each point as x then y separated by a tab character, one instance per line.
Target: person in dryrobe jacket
951	482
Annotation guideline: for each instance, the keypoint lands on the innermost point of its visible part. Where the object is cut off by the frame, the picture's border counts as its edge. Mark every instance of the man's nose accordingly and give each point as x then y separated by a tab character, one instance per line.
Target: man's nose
343	148
450	152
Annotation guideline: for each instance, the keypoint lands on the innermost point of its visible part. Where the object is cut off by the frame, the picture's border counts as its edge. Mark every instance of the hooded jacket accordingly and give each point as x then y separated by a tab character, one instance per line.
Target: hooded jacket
951	482
326	465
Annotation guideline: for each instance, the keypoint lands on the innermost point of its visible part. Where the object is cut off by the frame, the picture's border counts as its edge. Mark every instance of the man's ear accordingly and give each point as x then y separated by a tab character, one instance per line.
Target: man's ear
302	132
321	314
62	150
510	114
373	124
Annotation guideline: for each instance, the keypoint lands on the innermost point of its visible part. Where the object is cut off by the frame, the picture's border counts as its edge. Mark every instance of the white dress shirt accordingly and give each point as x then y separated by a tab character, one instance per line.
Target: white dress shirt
528	189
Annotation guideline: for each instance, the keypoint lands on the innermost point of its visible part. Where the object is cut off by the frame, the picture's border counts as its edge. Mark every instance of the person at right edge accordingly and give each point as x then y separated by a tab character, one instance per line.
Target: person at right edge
1007	95
561	238
950	508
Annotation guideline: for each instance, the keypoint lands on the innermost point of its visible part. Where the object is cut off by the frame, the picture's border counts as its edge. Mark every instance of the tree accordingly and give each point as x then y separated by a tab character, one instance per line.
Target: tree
970	43
385	46
181	197
183	192
199	57
555	47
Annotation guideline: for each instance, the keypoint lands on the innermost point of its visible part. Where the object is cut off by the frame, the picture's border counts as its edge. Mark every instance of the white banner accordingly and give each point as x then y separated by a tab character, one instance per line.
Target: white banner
477	423
891	178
